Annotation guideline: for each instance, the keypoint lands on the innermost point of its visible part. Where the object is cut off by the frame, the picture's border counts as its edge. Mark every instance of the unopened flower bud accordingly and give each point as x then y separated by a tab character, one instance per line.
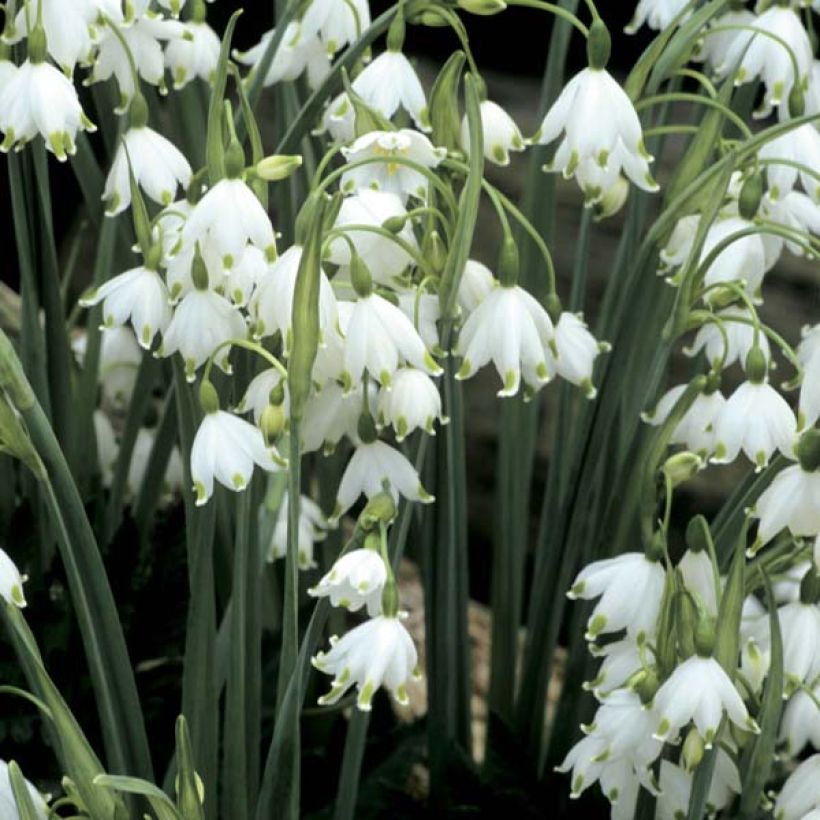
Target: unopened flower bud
797	101
208	397
432	19
686	616
360	276
697	534
154	256
750	195
434	252
693	748
808	450
655	549
278	167
680	467
645	683
395	224
756	365
612	201
277	394
381	509
705	635
272	422
483	8
234	159
138	111
599	45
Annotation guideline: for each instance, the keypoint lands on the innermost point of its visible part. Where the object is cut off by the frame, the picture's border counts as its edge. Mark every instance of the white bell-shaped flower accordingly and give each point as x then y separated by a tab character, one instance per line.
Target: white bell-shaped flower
339	119
330	414
424	311
39	99
676	787
8	803
193	56
144	37
501	134
721	36
357	579
808	352
630	587
657	14
230	216
257	394
312	529
621	732
757	420
476	282
202	321
299	52
139	295
227	448
699	578
794	210
240	281
799	145
157	164
336	23
800	626
695	430
272	303
379	339
390	83
379	652
412	403
792	500
120	357
384	175
800	795
602	134
621	659
385	258
577	350
372	465
11	581
740	338
172	480
513	330
699	690
800	726
765	57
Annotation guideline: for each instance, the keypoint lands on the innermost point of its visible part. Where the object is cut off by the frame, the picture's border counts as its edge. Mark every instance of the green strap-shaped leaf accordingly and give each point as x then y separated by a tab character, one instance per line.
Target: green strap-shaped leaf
159	801
22	797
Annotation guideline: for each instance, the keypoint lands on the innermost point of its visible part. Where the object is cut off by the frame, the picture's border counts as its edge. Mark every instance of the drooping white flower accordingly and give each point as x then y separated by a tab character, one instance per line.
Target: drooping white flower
330	414
621	659
242	278
193	56
11	581
792	500
800	795
742	260
699	578
390	83
312	528
631	589
412	403
765	57
272	303
157	164
794	210
385	175
424	311
299	51
379	339
699	690
512	329
476	282
695	430
8	803
371	465
385	258
339	119
757	420
336	22
657	14
721	35
800	725
202	321
120	356
808	353
800	626
230	216
676	787
107	448
227	448
144	37
577	350
379	652
355	580
501	134
39	99
602	134
620	733
172	480
799	145
139	295
740	338
257	394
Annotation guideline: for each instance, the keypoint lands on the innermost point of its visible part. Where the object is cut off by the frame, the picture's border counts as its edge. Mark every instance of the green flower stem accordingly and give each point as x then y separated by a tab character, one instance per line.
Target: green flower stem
663	130
350	772
697	99
803	169
247	344
551	8
700	78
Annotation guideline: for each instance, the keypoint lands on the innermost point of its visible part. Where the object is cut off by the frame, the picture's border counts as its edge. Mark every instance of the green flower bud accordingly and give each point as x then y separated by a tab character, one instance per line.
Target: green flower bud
797	101
381	509
37	45
681	467
810	586
138	111
13	378
655	549
366	428
645	683
278	167
434	252
599	45
360	276
277	394
444	112
612	201
705	635
14	438
686	618
483	8
750	195
154	256
697	534
208	397
693	748
508	262
808	450
272	423
756	365
432	19
395	224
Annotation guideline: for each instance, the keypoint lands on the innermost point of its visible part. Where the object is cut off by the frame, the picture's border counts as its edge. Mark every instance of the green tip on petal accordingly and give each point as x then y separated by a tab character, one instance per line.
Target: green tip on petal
663	727
201	494
365	696
17	597
239	481
596	626
465	370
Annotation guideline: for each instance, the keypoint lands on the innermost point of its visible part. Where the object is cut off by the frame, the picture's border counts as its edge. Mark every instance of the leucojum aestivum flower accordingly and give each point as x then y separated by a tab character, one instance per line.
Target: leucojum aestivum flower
244	377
